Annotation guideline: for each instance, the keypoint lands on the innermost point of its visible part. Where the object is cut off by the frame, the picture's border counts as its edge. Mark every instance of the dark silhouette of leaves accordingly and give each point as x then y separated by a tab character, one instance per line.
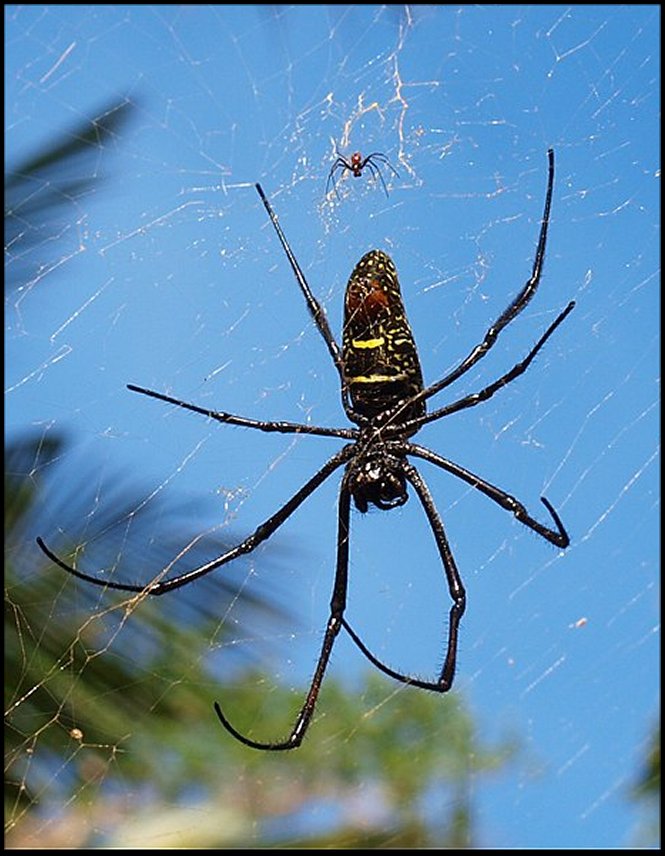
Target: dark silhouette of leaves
70	647
41	189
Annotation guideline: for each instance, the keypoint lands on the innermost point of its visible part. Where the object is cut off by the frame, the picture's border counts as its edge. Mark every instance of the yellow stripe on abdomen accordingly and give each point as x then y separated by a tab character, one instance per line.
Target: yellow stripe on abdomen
368	343
377	378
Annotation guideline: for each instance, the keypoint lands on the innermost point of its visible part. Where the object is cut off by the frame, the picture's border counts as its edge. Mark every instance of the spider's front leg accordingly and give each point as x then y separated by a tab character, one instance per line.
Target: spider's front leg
515	307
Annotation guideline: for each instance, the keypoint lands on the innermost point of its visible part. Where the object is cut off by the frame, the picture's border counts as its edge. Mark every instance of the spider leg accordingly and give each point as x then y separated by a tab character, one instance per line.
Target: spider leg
335	622
559	538
455	587
231	419
340	163
478	397
374	170
512	311
384	160
264	531
313	305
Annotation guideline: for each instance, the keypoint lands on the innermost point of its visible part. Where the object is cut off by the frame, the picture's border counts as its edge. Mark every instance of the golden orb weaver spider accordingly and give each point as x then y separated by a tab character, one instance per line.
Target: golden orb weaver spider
357	164
383	393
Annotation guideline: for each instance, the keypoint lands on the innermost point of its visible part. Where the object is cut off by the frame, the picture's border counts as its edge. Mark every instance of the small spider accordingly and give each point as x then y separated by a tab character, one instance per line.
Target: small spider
357	164
385	396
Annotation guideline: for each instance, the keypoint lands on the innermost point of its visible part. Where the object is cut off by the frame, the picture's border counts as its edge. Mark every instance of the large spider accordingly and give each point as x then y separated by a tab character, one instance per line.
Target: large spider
384	395
357	164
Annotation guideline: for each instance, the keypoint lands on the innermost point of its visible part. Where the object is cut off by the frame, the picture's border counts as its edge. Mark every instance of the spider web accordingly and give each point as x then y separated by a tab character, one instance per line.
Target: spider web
141	254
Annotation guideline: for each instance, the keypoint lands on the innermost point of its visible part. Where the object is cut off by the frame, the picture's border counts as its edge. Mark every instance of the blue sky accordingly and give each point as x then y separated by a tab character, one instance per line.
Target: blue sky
168	275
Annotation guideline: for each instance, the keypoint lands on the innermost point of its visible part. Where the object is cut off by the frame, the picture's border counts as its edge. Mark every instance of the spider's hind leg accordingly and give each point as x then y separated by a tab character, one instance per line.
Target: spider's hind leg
455	586
333	626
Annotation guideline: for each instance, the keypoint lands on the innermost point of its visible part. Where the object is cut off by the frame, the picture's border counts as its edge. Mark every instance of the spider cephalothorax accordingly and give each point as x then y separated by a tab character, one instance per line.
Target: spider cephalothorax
378	479
384	395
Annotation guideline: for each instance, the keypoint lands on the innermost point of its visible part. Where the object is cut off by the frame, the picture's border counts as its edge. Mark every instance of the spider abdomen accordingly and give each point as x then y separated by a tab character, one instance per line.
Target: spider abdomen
381	365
